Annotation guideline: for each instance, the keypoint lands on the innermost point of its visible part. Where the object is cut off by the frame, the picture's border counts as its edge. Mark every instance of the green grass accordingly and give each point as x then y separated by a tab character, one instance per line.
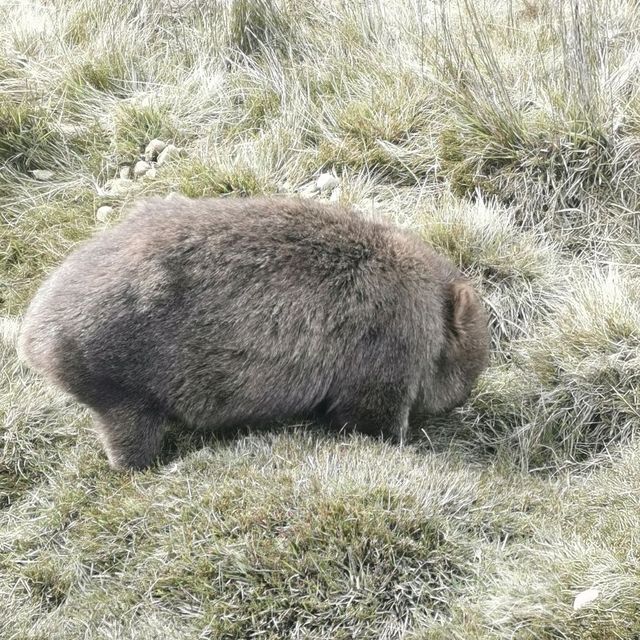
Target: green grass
505	134
27	139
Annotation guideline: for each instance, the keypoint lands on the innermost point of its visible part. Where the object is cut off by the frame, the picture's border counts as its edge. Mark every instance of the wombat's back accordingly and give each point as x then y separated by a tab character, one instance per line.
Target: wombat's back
225	295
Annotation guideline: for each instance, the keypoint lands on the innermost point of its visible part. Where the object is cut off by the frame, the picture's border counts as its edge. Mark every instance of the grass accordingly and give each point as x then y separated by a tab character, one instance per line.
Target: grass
507	135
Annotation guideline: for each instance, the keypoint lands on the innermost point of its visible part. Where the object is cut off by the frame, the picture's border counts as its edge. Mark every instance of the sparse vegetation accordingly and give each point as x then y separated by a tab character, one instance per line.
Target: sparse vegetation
508	135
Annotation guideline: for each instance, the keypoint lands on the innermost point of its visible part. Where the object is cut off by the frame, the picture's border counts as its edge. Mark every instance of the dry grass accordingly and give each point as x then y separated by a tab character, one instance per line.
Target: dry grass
508	135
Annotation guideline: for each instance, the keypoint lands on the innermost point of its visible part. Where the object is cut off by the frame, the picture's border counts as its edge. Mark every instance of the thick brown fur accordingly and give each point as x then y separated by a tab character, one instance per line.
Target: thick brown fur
224	312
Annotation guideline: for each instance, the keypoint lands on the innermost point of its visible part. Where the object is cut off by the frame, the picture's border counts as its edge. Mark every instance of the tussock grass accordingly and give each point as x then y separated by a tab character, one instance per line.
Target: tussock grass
506	134
517	270
547	138
218	177
28	140
136	124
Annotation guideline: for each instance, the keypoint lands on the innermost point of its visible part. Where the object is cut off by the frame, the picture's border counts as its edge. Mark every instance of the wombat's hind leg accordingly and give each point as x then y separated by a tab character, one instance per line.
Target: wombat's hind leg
131	434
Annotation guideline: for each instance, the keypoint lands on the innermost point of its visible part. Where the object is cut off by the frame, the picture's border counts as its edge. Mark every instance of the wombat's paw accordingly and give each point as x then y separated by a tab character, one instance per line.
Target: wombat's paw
125	464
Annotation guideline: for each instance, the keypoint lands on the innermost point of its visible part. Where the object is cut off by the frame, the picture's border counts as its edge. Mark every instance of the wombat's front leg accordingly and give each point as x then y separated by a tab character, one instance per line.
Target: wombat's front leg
374	410
131	434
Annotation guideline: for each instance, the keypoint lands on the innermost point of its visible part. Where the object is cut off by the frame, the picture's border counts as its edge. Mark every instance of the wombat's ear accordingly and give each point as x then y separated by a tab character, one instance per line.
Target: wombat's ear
464	304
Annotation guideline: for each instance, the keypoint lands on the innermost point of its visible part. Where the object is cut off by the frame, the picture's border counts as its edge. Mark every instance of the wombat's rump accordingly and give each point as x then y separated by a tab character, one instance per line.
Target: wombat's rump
225	312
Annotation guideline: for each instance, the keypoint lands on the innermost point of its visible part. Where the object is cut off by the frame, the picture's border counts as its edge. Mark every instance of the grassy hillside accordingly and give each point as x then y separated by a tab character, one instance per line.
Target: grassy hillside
508	135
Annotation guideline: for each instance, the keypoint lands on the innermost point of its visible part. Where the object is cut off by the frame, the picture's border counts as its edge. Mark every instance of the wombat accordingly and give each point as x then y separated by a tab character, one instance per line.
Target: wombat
226	312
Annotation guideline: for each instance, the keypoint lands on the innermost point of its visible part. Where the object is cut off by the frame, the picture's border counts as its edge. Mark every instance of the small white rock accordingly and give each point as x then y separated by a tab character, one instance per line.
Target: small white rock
150	174
125	172
335	195
585	597
153	149
103	213
141	167
170	152
327	182
42	174
284	187
308	191
116	186
172	195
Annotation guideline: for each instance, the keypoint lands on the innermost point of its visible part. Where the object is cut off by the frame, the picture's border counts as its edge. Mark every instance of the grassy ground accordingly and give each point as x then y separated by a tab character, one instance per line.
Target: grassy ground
509	136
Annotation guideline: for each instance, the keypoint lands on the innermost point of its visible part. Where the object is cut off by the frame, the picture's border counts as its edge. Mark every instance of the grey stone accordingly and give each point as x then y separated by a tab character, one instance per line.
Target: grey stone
153	149
141	167
327	182
170	152
103	213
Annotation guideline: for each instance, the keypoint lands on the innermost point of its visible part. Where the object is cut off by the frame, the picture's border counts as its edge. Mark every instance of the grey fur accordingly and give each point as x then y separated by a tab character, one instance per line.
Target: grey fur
227	312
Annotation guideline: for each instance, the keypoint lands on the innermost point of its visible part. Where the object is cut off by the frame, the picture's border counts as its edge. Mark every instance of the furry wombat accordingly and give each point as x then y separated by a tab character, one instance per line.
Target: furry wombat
227	312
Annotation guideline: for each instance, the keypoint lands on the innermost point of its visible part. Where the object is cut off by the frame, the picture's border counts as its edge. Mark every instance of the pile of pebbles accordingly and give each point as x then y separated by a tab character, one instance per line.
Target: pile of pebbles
156	154
325	187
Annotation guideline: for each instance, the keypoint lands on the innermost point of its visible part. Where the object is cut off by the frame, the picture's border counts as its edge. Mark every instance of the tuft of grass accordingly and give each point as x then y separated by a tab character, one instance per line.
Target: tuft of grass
136	125
257	25
587	357
197	179
382	130
517	271
27	138
109	72
25	259
569	391
549	153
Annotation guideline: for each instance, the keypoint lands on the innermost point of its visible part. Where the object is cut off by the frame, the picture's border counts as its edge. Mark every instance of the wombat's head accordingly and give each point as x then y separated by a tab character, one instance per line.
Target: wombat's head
465	350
